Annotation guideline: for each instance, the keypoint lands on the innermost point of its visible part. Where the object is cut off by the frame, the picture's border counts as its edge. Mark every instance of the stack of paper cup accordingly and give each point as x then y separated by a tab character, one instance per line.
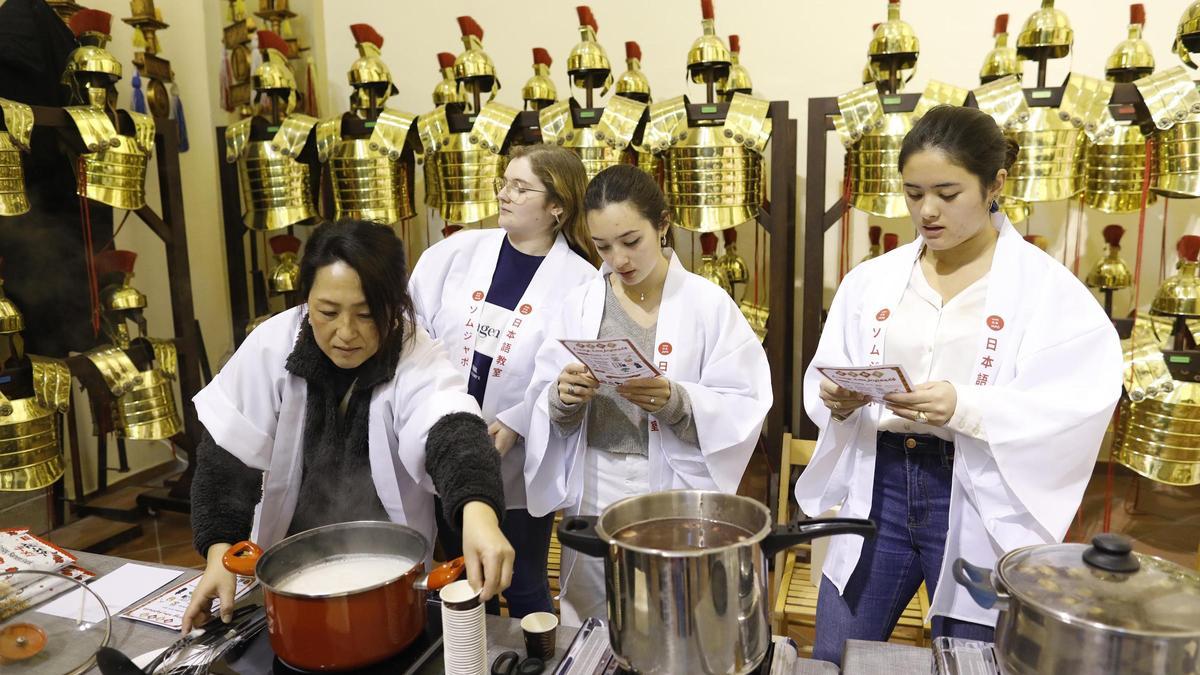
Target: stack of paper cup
464	632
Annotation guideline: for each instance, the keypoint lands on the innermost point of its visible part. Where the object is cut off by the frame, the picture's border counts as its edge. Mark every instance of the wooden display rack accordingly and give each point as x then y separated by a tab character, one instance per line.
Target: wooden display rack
170	228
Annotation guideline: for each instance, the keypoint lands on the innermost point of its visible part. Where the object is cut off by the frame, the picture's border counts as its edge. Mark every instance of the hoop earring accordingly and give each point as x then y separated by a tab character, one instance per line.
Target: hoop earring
662	241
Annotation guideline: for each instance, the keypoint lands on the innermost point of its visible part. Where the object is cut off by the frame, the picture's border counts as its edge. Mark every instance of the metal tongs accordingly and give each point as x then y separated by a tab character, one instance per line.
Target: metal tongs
216	635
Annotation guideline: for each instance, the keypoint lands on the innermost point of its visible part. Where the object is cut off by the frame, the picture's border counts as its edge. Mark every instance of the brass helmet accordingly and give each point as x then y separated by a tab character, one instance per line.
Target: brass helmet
738	81
275	74
709	268
708	53
285	275
1179	295
539	91
894	43
474	66
633	83
1110	272
1046	34
1003	60
588	64
369	69
92	72
11	320
1132	59
868	74
733	264
119	295
1187	34
446	91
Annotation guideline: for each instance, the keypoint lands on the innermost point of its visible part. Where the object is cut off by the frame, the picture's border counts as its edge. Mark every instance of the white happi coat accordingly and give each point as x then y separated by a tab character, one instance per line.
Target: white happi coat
254	408
1046	377
449	286
704	345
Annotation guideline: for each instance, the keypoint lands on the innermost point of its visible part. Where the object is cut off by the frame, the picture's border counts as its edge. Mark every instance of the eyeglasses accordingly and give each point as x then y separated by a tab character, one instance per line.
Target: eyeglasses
517	193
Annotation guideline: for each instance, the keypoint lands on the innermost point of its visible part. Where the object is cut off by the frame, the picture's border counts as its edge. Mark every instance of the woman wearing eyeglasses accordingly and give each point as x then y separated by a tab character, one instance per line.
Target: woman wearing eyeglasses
486	295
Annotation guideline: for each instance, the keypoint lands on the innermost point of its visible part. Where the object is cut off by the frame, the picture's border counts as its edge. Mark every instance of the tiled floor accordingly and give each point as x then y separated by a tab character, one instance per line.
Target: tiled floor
166	538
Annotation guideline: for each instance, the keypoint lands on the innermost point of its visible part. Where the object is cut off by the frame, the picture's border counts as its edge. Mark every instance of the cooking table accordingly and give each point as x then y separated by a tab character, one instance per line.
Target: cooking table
504	634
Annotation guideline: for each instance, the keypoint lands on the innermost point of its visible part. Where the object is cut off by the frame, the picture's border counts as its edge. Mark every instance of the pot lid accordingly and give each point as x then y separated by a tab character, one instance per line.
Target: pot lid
1107	585
35	642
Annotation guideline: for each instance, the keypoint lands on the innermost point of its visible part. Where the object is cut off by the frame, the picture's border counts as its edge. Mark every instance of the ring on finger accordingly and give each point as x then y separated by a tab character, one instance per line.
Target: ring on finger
922	417
571	389
837	405
652	400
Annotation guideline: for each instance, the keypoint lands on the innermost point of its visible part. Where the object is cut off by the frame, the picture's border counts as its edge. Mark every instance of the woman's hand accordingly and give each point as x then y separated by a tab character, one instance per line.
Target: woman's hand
502	437
488	554
930	403
217	582
648	393
841	402
576	384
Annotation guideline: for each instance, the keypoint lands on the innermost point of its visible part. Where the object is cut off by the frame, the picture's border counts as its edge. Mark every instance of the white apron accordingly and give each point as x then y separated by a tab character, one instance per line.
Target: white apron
449	286
1047	376
704	345
254	408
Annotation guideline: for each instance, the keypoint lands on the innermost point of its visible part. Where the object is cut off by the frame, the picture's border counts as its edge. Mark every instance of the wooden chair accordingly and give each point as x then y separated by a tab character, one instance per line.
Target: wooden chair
795	602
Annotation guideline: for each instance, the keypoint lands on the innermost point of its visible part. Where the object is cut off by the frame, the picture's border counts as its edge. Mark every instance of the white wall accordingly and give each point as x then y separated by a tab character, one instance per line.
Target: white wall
794	50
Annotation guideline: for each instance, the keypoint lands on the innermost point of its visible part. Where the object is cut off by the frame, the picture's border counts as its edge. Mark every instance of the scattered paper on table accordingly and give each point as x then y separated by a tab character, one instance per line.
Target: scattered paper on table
167	608
874	381
612	361
118	589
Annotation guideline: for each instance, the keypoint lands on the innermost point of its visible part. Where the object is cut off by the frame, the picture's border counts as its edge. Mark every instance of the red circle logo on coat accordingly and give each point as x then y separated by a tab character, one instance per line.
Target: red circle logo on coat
477	296
525	309
883	314
665	348
995	322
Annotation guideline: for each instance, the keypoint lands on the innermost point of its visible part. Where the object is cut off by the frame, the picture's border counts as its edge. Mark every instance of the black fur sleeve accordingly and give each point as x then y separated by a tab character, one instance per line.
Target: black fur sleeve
224	494
464	465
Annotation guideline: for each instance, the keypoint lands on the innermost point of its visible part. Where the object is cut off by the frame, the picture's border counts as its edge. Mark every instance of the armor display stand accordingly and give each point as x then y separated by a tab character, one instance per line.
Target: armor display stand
170	227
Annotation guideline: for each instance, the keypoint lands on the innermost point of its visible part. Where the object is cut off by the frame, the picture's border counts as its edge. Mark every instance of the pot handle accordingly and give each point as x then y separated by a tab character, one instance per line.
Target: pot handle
241	558
579	533
978	582
786	536
444	574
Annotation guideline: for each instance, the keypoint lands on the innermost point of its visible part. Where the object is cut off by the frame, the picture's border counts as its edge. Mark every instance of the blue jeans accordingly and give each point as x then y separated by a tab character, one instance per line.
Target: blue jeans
910	505
530	538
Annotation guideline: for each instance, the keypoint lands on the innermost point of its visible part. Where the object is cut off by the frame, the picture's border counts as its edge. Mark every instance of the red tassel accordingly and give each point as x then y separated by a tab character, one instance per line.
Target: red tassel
89	257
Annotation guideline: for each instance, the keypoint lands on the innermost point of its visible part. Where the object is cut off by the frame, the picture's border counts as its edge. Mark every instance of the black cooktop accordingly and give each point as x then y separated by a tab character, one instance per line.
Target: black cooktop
424	655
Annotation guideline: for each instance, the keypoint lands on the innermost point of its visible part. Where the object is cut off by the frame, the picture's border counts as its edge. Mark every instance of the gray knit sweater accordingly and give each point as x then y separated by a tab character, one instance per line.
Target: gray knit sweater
615	424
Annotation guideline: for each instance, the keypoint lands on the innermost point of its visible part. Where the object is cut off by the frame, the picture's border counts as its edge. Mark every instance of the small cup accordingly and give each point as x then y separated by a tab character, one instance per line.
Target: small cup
539	629
460	596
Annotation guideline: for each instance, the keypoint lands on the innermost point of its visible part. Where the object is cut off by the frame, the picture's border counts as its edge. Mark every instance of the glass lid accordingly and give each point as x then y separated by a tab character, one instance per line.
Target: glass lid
1108	585
34	640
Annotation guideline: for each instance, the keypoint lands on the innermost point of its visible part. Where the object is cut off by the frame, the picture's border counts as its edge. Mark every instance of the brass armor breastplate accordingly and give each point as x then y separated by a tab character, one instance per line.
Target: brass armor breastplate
30	451
145	407
599	146
467	163
115	168
370	176
275	186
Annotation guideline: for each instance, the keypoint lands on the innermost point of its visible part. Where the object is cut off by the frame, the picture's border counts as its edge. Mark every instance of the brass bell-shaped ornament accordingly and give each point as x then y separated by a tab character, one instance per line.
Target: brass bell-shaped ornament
1179	295
588	64
1003	60
894	43
1110	272
473	67
1132	58
708	52
285	273
539	91
709	268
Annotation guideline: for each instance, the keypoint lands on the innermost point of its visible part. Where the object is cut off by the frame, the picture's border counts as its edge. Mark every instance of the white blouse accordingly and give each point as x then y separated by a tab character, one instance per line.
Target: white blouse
936	342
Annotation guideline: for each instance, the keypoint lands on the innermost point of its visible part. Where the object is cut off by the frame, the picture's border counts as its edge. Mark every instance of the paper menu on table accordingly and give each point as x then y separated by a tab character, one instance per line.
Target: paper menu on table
118	589
21	550
612	361
166	609
873	381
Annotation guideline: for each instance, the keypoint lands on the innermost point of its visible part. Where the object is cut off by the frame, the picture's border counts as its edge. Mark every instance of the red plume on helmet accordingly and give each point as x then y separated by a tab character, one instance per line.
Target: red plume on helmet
365	33
632	50
542	57
1001	25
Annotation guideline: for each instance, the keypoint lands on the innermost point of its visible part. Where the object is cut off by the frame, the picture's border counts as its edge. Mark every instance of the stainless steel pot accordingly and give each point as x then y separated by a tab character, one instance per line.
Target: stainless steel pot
687	576
1073	608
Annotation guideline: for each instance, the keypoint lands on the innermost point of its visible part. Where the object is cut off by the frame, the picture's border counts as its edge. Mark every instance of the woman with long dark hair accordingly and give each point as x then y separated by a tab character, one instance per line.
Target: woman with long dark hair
1016	371
694	426
343	409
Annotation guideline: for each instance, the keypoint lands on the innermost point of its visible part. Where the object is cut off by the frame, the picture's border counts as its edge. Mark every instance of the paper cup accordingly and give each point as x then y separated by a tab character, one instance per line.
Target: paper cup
539	629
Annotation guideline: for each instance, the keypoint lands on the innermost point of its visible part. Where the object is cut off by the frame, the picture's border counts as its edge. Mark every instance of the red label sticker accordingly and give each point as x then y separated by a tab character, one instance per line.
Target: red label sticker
525	309
995	322
664	348
883	314
477	296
